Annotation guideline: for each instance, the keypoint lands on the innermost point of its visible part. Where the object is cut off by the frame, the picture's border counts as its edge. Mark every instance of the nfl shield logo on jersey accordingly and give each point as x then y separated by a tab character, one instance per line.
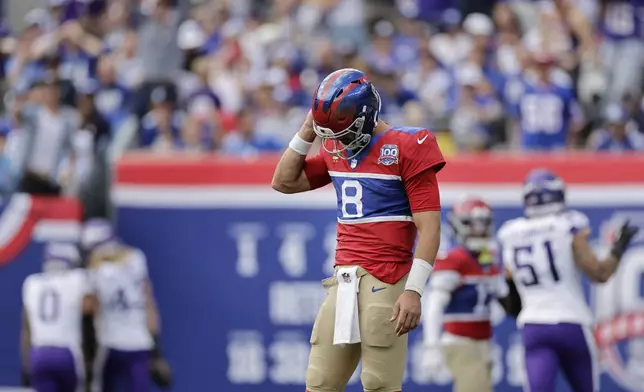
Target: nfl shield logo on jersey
388	154
619	309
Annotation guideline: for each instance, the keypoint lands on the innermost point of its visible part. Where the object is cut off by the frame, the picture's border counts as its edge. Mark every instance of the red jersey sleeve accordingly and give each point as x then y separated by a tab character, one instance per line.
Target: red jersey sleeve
420	153
422	192
316	171
448	263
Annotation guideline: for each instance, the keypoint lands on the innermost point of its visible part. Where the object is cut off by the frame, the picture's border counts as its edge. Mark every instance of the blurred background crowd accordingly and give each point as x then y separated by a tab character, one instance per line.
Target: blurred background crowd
85	80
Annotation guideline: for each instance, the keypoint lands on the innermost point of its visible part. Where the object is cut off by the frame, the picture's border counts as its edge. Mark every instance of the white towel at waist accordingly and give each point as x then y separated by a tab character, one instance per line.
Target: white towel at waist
347	324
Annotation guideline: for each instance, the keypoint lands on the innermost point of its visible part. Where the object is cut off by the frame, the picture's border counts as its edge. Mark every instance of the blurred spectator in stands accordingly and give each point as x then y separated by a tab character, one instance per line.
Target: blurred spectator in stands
576	17
7	172
115	27
480	29
50	65
246	140
48	130
622	48
94	126
20	69
191	38
452	45
74	49
157	47
326	58
160	127
78	52
274	115
14	138
346	21
548	116
130	69
381	56
229	78
110	97
432	84
192	136
551	35
509	55
505	18
476	112
476	6
269	56
618	134
203	106
93	134
428	11
634	106
393	94
7	46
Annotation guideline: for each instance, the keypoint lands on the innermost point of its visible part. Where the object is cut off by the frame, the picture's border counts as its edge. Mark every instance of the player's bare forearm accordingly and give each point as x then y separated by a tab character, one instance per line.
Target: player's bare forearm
289	174
25	341
151	311
428	224
597	270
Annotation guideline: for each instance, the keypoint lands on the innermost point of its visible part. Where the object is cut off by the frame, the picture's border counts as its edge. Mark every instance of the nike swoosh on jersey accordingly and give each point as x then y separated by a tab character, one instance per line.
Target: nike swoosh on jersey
420	141
375	289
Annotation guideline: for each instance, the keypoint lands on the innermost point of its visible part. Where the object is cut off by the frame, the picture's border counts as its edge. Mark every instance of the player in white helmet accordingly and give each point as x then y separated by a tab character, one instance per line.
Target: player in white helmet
127	324
54	302
544	251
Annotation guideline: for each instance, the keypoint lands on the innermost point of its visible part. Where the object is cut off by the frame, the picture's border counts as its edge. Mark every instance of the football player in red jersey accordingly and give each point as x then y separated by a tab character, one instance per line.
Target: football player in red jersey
387	193
464	284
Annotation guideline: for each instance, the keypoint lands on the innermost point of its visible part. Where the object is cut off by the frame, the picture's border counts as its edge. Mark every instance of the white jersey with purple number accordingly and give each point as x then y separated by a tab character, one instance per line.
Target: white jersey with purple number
538	253
122	320
54	305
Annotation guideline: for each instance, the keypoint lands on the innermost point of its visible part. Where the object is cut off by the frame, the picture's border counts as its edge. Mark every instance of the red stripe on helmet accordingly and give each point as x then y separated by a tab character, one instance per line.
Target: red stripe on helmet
328	84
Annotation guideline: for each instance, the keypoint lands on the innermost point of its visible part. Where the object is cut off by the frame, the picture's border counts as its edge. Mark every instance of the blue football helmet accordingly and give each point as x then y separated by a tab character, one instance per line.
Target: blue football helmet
543	193
345	109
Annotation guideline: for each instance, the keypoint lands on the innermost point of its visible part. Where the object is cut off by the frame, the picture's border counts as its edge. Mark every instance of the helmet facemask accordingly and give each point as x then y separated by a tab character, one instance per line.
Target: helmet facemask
351	140
544	199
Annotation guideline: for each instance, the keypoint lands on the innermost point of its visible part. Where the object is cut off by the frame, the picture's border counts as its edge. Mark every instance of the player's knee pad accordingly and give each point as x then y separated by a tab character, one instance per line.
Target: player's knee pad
371	382
316	379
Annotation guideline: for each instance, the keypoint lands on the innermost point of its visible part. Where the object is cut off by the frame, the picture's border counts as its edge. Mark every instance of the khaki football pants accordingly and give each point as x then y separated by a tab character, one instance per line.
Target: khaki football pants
471	366
383	353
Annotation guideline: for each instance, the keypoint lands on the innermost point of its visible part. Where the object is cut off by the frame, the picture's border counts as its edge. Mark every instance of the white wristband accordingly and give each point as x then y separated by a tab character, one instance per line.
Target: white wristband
300	145
418	276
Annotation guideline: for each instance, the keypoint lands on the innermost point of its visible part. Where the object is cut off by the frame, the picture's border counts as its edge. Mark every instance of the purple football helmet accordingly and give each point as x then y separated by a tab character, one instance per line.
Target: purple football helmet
97	232
543	193
60	256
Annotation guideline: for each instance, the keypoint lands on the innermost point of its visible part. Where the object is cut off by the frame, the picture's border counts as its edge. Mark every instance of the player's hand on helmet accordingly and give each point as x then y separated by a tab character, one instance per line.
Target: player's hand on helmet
306	130
623	238
161	372
407	311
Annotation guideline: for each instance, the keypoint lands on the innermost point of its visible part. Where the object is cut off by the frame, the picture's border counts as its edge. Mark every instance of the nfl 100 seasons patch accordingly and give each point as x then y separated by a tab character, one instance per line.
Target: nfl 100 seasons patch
388	154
